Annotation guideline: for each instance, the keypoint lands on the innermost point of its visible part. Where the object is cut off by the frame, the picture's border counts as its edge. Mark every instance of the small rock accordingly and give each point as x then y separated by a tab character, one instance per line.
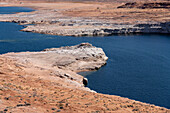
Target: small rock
27	104
58	110
85	81
6	98
5	109
66	104
18	105
135	109
53	108
61	107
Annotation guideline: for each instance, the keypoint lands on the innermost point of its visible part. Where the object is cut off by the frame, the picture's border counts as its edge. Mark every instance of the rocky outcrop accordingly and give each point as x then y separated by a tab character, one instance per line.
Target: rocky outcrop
156	5
55	23
102	30
85	81
82	57
81	27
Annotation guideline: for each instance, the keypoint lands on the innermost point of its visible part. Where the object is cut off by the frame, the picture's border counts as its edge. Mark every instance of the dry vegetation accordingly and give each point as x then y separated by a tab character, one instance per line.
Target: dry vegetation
108	10
22	89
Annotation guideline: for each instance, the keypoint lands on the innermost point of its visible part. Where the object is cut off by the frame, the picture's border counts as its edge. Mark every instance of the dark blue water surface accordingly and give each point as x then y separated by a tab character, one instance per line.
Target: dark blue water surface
9	10
138	65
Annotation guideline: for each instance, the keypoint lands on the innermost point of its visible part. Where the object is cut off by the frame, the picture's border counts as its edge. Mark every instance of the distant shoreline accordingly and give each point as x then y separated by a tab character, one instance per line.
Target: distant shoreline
66	21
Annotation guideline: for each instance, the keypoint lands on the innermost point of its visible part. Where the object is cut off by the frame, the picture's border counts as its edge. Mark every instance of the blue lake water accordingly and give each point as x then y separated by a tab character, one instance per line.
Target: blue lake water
138	66
9	10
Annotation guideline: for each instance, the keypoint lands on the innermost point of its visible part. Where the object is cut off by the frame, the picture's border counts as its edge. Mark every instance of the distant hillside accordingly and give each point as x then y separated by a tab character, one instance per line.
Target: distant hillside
90	0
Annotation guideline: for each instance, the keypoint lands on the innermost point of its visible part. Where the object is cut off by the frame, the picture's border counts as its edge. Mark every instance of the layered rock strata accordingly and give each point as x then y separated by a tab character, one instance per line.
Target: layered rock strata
99	29
146	5
82	57
55	23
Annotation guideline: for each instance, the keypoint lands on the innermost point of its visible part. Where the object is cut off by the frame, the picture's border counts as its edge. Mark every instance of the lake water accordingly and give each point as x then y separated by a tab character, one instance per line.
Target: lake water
9	10
138	66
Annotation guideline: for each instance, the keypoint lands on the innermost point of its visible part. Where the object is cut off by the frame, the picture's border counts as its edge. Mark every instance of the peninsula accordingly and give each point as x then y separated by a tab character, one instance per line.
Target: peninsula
31	83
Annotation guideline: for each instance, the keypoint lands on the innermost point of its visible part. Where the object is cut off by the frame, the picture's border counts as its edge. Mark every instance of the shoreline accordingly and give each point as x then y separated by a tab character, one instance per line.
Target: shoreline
65	21
119	109
31	78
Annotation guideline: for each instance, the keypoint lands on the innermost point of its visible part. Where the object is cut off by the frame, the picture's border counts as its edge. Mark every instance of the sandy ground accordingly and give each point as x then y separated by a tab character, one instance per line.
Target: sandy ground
98	10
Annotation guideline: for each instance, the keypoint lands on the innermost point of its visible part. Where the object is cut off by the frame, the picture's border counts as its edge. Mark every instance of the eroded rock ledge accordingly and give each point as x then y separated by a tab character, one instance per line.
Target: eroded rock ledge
55	23
146	5
100	29
82	57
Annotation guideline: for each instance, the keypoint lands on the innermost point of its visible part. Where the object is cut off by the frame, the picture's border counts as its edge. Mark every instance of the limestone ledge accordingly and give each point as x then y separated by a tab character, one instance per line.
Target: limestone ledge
64	62
56	24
